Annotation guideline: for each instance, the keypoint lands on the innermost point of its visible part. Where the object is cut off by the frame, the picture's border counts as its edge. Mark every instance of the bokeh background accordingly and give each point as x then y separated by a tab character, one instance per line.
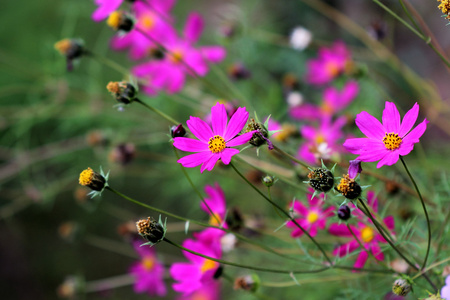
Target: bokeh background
54	124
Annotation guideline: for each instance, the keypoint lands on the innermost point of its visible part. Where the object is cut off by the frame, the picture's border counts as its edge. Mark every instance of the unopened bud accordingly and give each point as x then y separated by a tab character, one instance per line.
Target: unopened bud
268	181
344	213
177	131
401	287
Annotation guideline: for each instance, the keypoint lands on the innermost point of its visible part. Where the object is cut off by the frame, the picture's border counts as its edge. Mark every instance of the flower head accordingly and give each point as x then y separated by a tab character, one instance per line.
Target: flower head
386	142
154	232
213	144
148	272
311	217
93	180
105	8
215	204
444	6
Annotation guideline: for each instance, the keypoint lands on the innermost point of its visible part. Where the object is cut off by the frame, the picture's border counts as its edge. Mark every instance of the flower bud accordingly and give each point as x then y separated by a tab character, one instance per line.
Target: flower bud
401	287
355	168
92	180
72	49
124	92
177	131
120	21
247	283
151	230
344	213
321	180
260	137
268	181
349	188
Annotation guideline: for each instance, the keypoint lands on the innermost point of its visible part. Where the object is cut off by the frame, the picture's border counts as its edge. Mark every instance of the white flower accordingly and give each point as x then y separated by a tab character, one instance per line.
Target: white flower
300	38
294	99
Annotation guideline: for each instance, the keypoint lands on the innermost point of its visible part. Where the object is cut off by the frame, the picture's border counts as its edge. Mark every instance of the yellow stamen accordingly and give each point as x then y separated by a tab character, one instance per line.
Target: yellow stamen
444	6
326	108
144	226
147	21
216	144
312	217
63	46
208	265
148	262
215	220
392	141
320	139
114	19
332	69
86	176
367	234
176	56
113	87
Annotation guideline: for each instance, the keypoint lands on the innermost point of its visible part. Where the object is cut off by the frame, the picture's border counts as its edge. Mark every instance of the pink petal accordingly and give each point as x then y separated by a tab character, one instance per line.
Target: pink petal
345	249
176	82
195	60
236	123
405	149
190	145
199	128
372	200
376	251
193	28
409	120
355	145
210	163
373	153
193	160
390	222
339	230
226	155
414	135
390	159
214	54
300	208
219	119
370	126
391	118
361	260
313	230
242	139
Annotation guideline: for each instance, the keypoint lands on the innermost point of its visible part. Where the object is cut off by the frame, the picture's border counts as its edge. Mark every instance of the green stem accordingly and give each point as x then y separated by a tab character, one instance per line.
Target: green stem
424	210
410	17
107	62
275	147
284	212
158	112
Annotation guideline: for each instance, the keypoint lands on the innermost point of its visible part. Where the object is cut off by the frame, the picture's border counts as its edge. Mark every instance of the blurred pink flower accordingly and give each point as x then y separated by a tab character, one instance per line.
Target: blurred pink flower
182	58
153	19
214	144
149	272
335	100
366	233
330	63
208	291
386	142
216	202
198	272
105	8
312	217
321	142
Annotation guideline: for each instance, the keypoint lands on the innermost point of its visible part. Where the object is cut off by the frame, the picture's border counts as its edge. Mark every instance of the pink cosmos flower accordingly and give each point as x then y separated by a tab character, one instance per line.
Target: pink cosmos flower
209	291
214	144
216	202
328	65
149	272
153	19
445	291
182	58
311	217
198	272
386	142
322	142
105	8
364	230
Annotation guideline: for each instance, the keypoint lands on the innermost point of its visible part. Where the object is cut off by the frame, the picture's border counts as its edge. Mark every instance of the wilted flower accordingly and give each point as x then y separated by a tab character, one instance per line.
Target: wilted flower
154	232
72	49
123	91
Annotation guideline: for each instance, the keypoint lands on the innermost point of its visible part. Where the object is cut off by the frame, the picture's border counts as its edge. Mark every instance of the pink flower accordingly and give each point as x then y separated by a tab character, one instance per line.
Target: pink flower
445	291
209	291
367	235
329	64
335	100
183	58
214	144
311	217
216	202
105	8
152	19
149	272
322	142
198	272
386	142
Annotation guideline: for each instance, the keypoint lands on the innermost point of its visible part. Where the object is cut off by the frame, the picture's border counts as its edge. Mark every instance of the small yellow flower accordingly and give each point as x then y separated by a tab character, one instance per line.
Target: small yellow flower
445	7
93	180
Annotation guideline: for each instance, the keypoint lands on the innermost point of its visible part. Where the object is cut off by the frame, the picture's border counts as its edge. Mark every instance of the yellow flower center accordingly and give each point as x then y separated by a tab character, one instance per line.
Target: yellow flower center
63	46
392	141
208	265
199	295
147	21
367	234
326	108
215	220
148	262
86	176
444	6
332	69
176	56
312	217
114	19
320	139
216	144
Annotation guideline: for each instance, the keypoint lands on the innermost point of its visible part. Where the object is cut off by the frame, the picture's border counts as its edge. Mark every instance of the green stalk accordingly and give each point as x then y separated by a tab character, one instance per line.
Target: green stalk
158	112
275	147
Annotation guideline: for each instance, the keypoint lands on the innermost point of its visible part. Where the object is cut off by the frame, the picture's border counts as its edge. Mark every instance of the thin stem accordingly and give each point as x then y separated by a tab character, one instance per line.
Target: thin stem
284	212
158	112
290	157
270	197
424	210
107	62
410	17
109	283
250	267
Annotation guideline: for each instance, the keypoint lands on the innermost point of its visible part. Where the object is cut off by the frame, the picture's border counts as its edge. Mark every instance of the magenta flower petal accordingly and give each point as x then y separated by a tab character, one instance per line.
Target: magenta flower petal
391	118
355	145
389	221
176	82
210	163
193	28
339	230
196	159
242	139
213	54
409	120
414	135
190	145
236	123
200	128
361	260
226	155
376	251
389	159
300	208
370	126
219	119
346	249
